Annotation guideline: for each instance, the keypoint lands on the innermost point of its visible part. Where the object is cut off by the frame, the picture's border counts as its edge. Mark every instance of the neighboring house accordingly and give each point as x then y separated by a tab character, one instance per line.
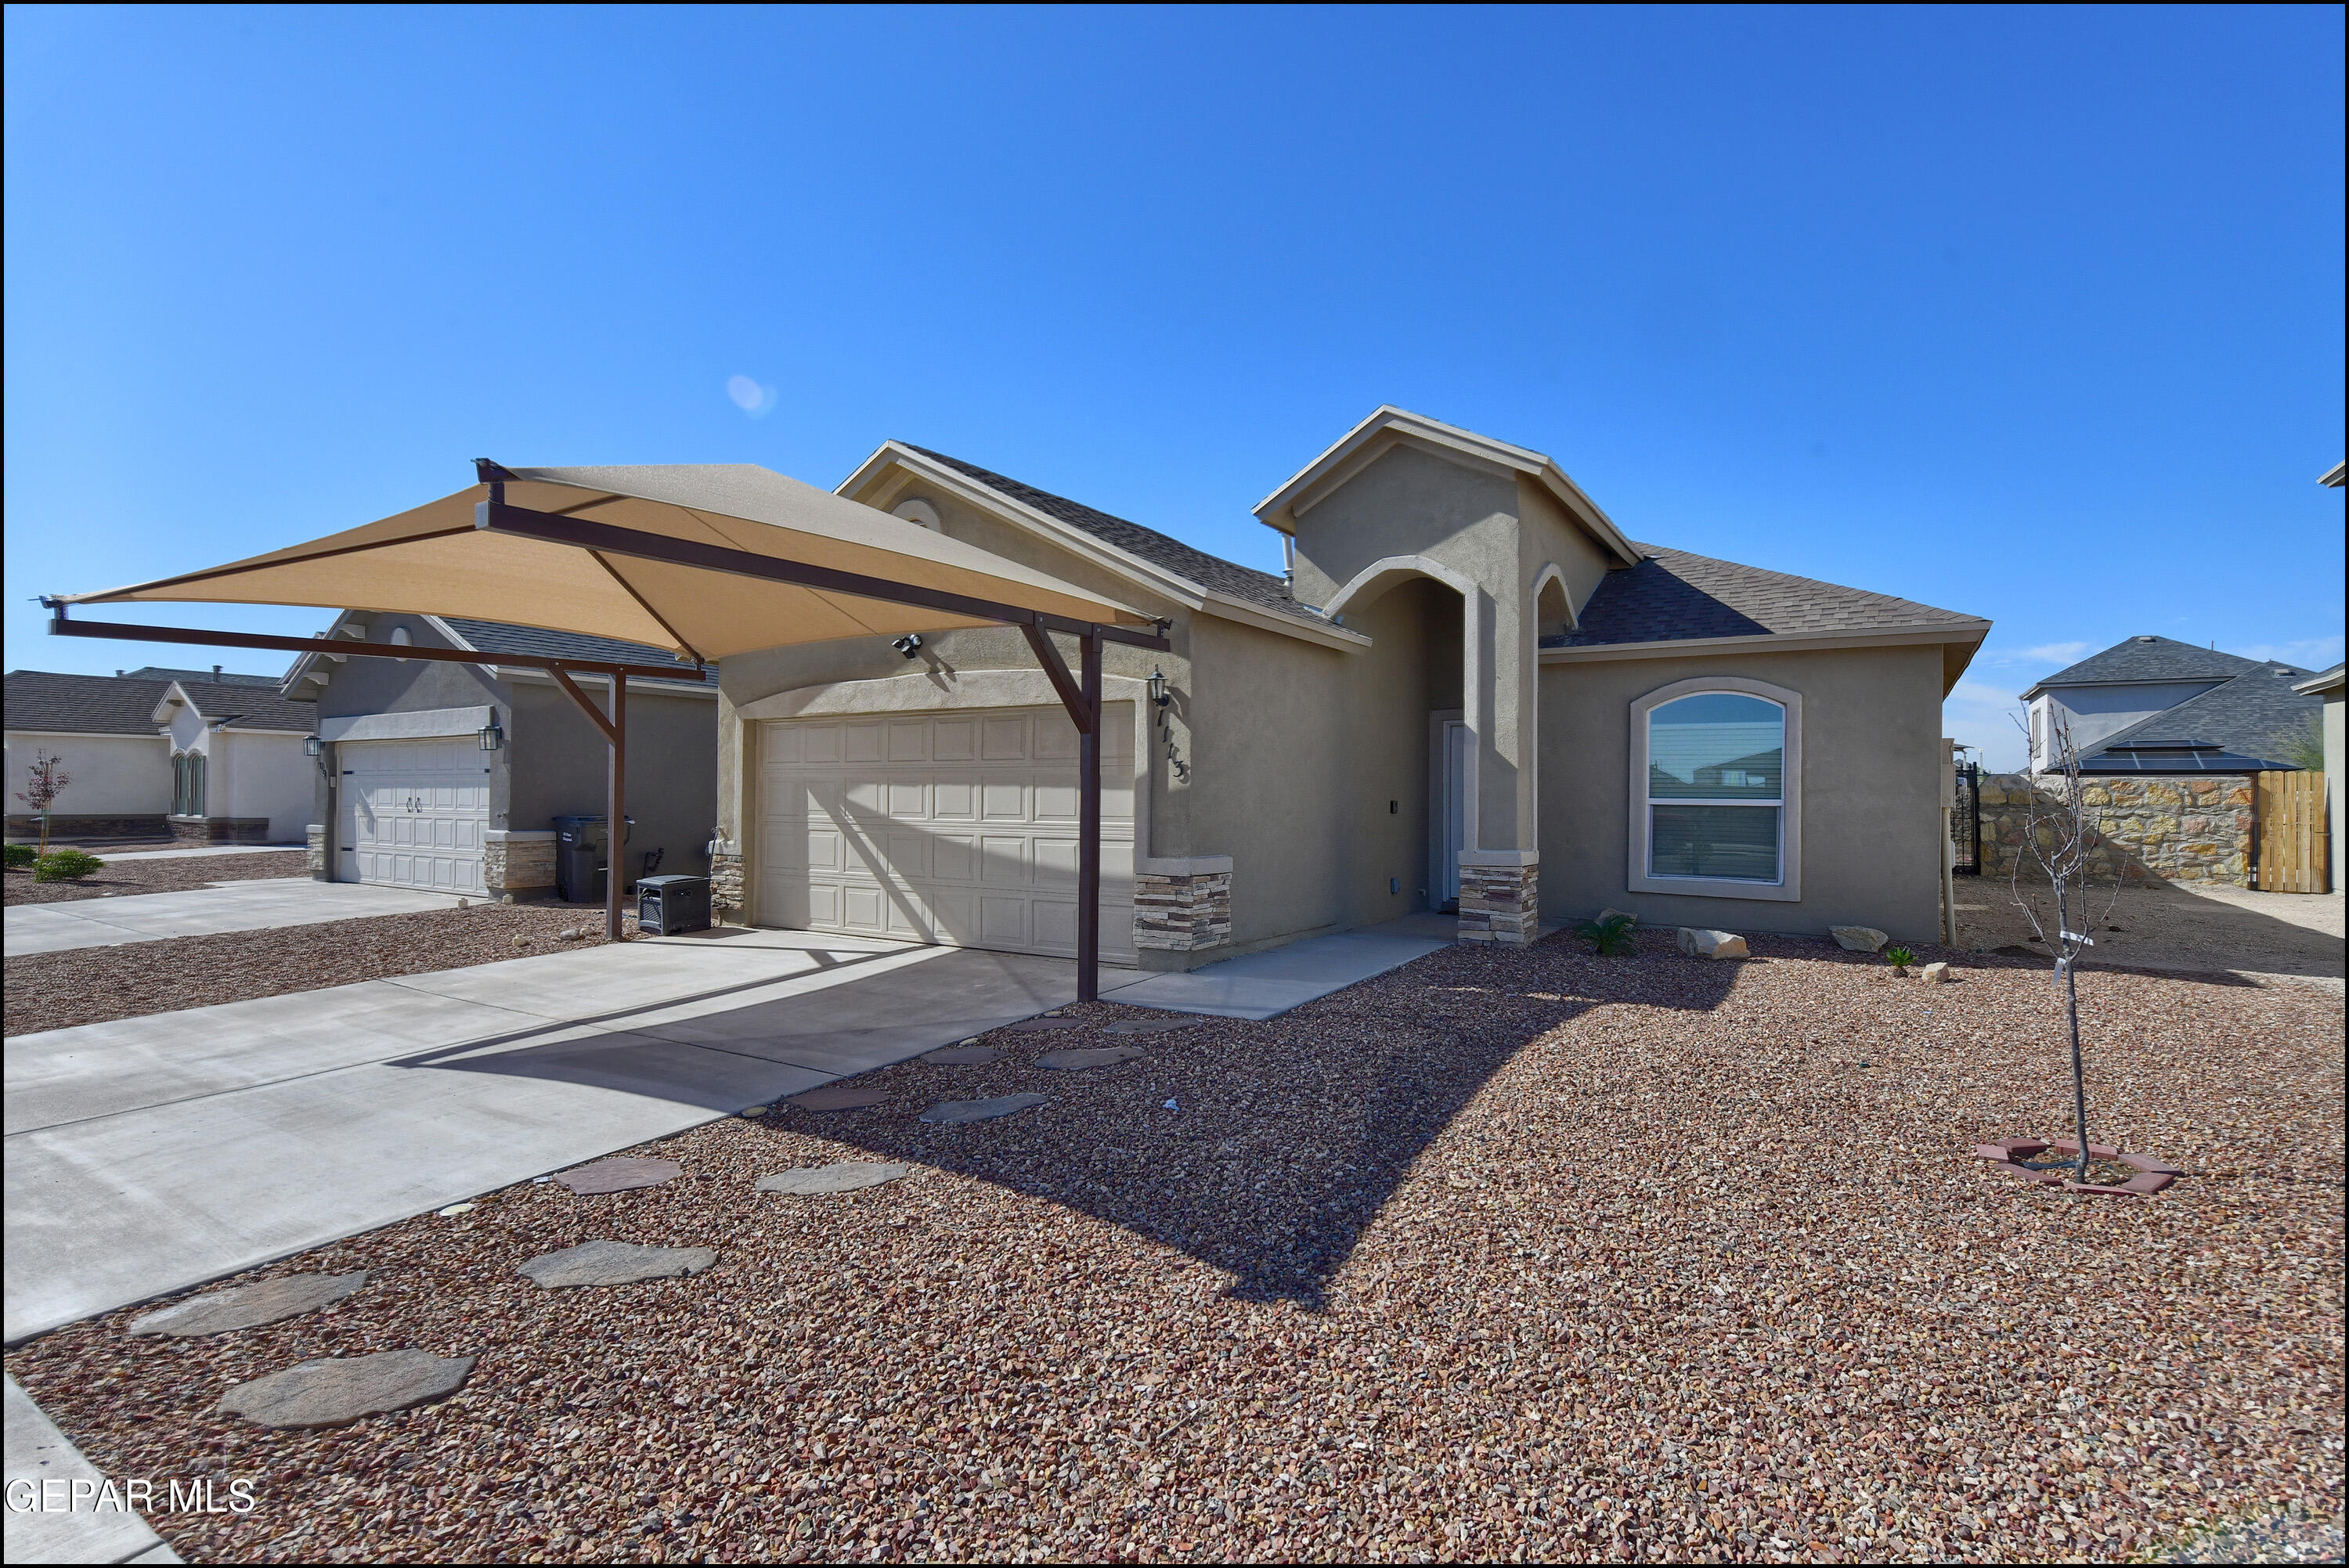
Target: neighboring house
2152	705
1469	691
2326	688
405	792
201	756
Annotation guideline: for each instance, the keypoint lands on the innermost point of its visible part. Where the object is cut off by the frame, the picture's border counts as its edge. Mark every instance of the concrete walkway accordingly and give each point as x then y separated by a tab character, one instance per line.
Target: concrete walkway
203	912
62	1519
1268	984
196	852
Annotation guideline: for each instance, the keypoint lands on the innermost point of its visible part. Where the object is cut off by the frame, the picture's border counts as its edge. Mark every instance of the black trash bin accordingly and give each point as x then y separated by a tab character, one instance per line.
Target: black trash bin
581	851
669	905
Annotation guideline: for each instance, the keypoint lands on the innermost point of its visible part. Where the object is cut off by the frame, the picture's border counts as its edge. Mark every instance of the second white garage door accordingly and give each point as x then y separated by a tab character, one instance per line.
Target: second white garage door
954	828
414	813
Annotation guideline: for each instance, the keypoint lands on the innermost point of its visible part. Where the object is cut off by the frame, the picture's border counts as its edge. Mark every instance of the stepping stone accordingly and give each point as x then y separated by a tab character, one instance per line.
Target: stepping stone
837	1097
614	1262
963	1056
345	1389
1042	1026
621	1174
1098	1057
1150	1025
846	1176
251	1305
952	1112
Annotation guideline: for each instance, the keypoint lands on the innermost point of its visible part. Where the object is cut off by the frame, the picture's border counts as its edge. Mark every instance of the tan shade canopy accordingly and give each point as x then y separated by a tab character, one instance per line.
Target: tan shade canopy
434	560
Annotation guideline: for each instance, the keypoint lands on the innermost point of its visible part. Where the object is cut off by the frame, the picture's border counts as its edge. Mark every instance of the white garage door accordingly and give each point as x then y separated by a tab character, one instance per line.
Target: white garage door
413	813
954	828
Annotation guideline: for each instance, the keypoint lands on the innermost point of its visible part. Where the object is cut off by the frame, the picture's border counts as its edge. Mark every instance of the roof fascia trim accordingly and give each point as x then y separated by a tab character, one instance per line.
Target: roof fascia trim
2317	685
1225	607
105	734
1775	642
2141	680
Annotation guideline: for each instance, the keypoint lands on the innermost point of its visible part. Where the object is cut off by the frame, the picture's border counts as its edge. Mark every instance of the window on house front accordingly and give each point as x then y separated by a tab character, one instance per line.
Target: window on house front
1716	801
188	784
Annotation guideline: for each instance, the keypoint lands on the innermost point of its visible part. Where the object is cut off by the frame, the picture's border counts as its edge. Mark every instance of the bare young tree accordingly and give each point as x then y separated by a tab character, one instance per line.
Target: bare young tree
2060	839
44	780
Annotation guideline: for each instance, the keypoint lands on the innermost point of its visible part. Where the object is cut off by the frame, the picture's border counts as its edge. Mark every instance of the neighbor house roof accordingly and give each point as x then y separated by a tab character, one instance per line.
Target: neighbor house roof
2255	715
1674	596
83	705
2322	681
2184	757
155	672
1261	589
242	706
497	637
2146	659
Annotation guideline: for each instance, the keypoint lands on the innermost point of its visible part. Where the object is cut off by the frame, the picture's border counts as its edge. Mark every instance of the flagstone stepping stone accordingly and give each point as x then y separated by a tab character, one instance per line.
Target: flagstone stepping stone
1150	1025
846	1176
345	1389
963	1056
1097	1056
251	1305
614	1262
621	1174
837	1097
954	1111
1042	1026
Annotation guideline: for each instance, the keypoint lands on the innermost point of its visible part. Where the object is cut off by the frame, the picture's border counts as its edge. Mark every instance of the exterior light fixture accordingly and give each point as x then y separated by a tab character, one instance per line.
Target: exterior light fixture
1158	687
909	644
492	736
313	747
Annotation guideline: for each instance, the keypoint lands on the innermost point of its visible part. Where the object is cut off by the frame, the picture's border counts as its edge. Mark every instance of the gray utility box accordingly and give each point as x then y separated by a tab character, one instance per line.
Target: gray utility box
669	905
581	851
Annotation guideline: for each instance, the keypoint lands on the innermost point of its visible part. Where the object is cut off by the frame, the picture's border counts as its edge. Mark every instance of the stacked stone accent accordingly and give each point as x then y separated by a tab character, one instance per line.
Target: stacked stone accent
1500	903
725	881
64	827
314	858
1181	911
2195	828
220	829
517	862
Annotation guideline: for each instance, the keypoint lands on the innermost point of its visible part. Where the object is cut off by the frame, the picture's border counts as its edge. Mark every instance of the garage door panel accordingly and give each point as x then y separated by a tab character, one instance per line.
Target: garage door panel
941	827
412	813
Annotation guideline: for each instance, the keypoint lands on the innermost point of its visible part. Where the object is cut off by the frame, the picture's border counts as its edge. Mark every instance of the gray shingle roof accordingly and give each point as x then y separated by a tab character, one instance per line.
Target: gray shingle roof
2147	658
125	705
2257	714
157	672
1675	596
1261	589
498	637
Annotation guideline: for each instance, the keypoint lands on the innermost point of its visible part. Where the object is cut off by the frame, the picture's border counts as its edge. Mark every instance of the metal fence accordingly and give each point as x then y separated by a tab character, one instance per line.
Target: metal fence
1965	820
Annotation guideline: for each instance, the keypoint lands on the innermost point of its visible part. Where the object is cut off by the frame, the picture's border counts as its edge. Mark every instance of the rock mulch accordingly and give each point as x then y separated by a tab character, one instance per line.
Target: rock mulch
339	1390
955	1113
614	1262
128	878
92	984
1504	1252
251	1305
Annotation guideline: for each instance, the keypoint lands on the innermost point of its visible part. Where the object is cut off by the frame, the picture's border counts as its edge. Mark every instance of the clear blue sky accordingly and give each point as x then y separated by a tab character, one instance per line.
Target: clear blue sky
2032	313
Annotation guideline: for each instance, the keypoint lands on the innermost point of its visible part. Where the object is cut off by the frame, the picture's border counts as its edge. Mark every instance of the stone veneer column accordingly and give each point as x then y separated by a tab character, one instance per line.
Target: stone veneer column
315	856
1500	896
517	861
1183	906
727	876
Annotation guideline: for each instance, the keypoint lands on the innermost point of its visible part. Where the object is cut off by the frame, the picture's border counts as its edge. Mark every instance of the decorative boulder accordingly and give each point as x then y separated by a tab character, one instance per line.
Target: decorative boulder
1934	974
1858	938
1604	915
1702	944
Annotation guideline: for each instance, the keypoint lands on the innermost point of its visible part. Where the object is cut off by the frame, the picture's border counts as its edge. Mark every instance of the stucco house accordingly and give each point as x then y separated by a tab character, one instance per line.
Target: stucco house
450	775
2152	704
200	756
2326	687
1469	691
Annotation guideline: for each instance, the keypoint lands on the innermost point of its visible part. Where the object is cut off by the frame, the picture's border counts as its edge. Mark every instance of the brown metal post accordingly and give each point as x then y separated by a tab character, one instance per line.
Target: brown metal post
1089	825
615	797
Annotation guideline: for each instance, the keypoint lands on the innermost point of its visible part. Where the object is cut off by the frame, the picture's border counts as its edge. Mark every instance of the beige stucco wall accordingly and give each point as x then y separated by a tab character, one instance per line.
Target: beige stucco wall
2332	783
113	775
1871	790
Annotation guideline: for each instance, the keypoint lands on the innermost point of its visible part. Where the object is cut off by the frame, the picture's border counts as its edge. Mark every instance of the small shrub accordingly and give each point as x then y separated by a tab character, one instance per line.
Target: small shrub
1608	937
1900	958
20	856
65	865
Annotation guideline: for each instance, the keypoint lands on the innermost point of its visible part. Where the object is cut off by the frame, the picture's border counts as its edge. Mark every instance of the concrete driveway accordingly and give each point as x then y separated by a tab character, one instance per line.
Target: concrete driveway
201	911
149	1154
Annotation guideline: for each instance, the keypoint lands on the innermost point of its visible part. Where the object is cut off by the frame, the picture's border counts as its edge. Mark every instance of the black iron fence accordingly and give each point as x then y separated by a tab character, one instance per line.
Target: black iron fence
1965	820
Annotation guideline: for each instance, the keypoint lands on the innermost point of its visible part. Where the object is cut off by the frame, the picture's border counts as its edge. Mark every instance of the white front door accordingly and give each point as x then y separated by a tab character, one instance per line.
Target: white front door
413	813
958	828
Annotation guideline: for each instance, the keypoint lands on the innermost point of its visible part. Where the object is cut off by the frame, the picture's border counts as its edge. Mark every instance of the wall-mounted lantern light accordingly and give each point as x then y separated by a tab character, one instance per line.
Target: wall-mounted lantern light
492	736
909	644
1158	687
313	747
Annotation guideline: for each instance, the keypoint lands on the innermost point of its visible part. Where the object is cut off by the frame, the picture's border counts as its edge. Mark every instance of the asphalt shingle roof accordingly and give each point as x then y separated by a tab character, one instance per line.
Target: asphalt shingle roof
2257	714
1674	596
157	672
2149	659
1261	589
125	705
498	637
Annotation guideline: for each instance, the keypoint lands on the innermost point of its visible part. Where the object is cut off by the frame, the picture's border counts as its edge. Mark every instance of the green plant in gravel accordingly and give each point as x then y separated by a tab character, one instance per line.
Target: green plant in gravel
1608	937
1900	958
65	865
21	856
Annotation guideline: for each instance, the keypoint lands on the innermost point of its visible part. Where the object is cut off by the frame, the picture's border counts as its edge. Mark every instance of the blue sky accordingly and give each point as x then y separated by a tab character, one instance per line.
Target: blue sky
2032	313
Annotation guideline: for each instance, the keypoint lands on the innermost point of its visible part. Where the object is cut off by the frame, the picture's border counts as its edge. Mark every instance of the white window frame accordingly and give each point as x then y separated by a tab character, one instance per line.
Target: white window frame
1788	888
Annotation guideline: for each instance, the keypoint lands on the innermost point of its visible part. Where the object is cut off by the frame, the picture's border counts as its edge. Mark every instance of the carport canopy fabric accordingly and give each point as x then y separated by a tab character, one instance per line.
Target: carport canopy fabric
449	557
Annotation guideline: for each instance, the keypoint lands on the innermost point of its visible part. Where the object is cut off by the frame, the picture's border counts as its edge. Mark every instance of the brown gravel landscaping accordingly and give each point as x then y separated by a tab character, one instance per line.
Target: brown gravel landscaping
122	879
92	984
1501	1255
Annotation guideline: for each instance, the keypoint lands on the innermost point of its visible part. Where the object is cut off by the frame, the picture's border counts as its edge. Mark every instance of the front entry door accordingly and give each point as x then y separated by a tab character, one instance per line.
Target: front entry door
1452	739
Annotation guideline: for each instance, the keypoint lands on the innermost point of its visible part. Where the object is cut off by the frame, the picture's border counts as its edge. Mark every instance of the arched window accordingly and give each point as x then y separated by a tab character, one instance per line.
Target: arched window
179	783
1716	791
195	783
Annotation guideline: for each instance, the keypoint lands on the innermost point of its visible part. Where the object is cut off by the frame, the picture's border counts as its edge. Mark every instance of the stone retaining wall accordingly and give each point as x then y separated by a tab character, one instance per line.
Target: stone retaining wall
2198	828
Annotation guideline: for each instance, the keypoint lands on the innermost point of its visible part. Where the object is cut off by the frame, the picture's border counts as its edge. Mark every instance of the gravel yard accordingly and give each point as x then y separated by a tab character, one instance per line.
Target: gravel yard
92	984
121	879
1504	1253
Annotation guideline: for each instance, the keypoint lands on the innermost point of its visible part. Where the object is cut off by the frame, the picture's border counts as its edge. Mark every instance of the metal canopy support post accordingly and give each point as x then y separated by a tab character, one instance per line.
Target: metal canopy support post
1089	827
615	797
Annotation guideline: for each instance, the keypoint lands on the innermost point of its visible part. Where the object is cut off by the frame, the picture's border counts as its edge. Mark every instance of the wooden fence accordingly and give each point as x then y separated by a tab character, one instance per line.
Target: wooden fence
2292	847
